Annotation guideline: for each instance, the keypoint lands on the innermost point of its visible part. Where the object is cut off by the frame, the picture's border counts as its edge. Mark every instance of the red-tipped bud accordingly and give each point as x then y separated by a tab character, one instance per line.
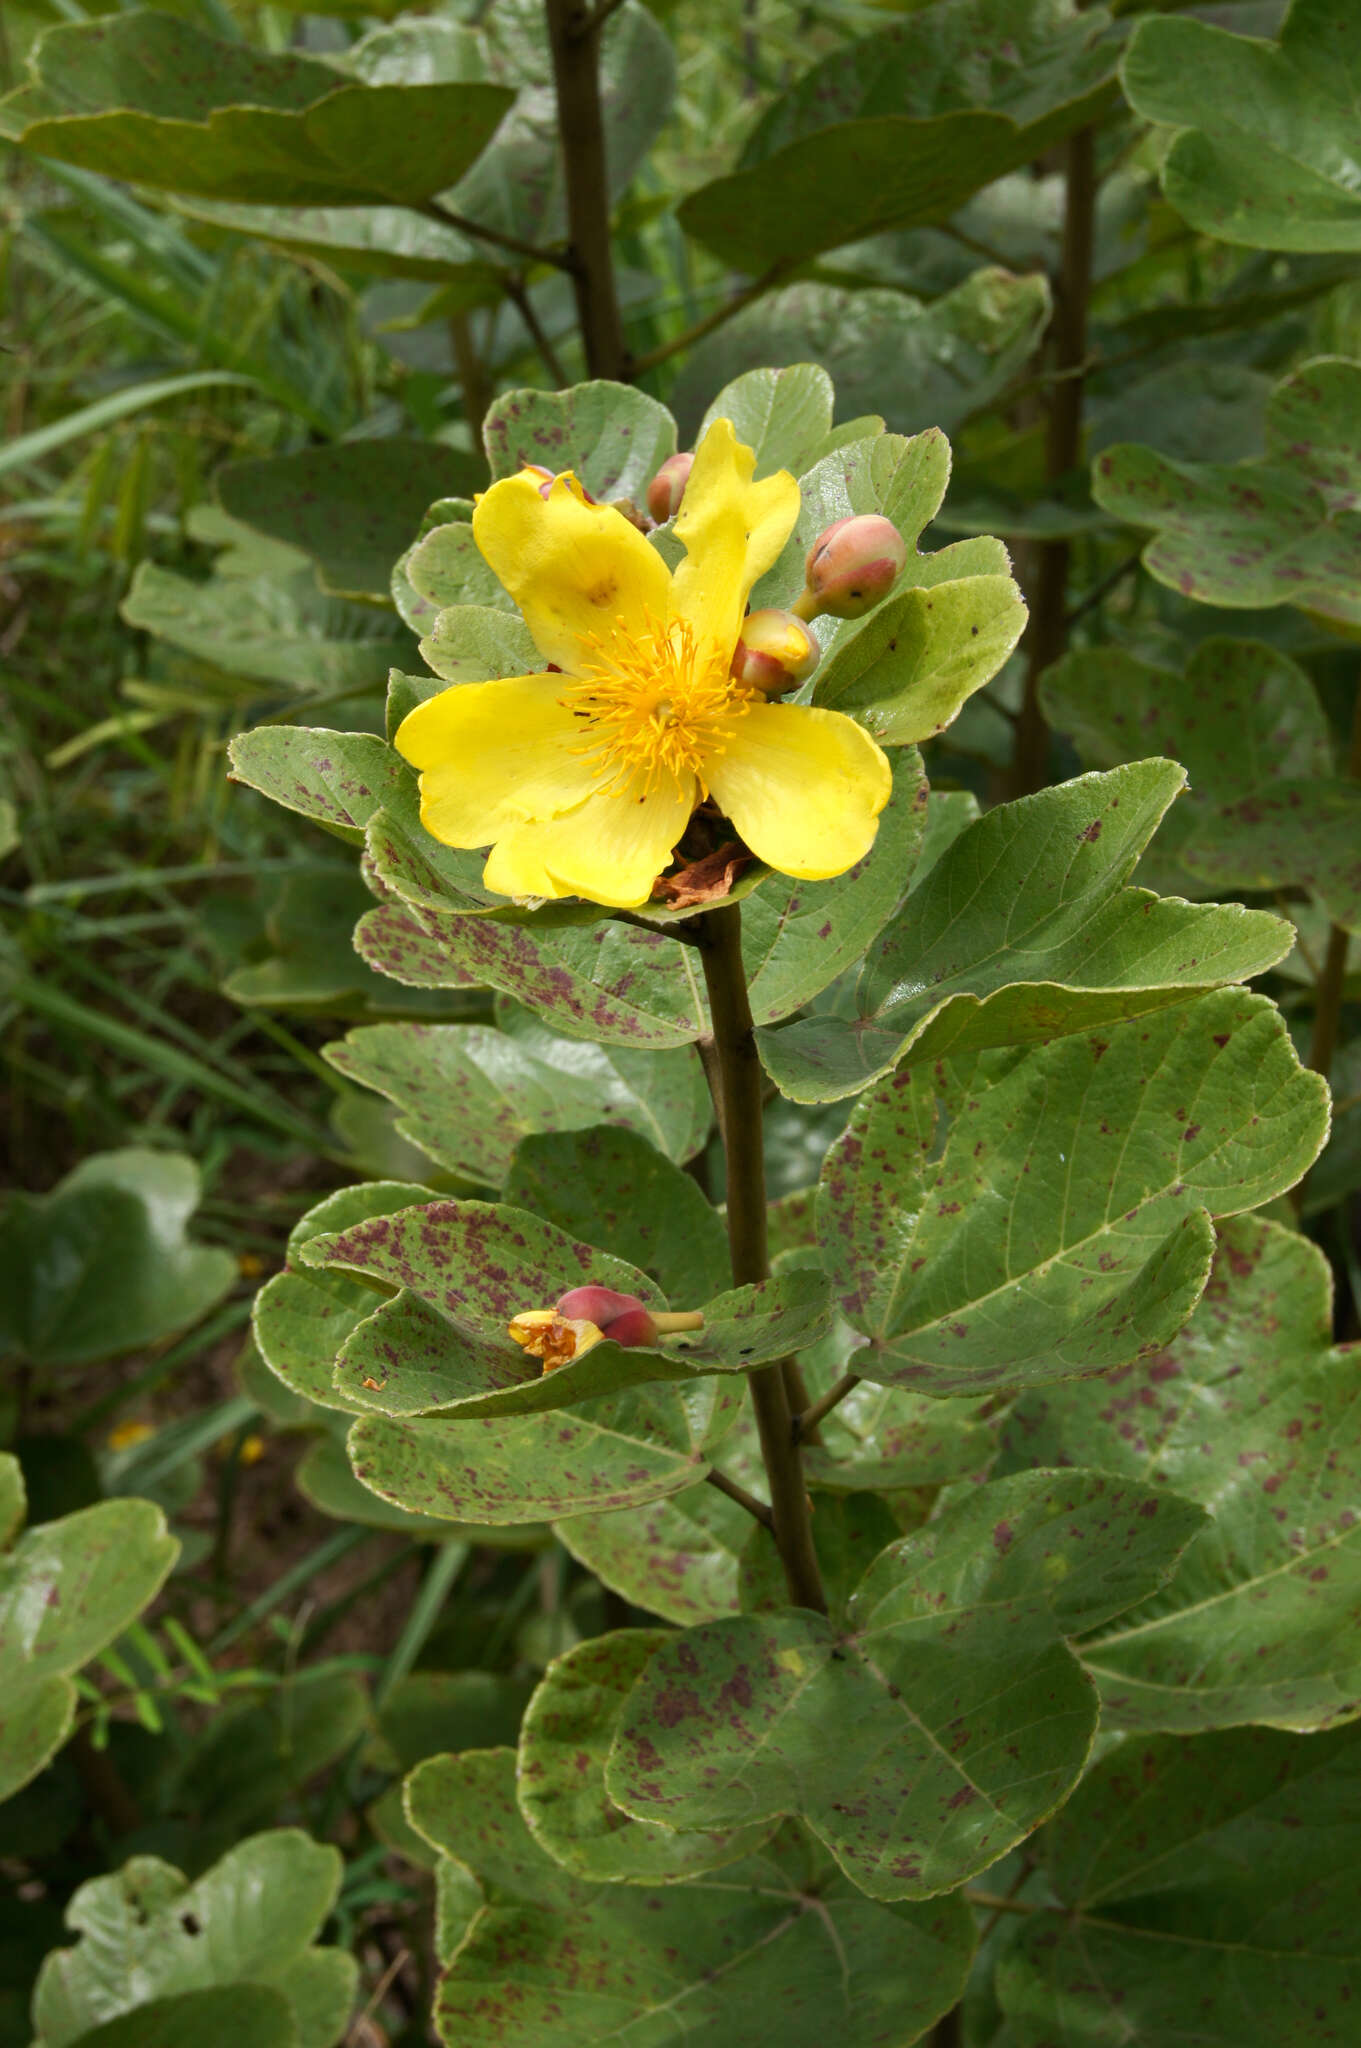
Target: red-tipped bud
585	1316
851	566
667	488
775	653
599	1305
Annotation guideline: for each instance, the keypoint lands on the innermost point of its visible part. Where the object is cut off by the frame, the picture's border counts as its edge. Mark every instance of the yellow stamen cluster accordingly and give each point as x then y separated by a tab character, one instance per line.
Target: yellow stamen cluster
652	706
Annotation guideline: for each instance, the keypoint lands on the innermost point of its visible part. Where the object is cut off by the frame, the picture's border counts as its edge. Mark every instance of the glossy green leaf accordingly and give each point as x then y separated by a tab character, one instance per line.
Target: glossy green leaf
1251	1411
270	628
560	1774
919	365
946	1718
1266	131
552	1961
614	438
242	2012
608	982
1063	1226
1207	1891
104	1261
156	101
68	1588
615	1451
352	507
147	1932
900	128
612	1187
468	1094
1053	942
1284	530
908	671
1242	715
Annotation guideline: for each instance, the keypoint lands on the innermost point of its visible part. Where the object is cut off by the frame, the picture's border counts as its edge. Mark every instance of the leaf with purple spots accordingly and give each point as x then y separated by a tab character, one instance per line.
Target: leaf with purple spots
613	437
1028	1220
942	1722
1207	1890
1252	1411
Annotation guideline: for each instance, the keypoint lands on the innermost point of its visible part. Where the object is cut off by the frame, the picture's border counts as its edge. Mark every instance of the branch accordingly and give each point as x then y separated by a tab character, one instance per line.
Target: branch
754	1507
768	279
808	1421
576	81
434	209
1329	988
518	294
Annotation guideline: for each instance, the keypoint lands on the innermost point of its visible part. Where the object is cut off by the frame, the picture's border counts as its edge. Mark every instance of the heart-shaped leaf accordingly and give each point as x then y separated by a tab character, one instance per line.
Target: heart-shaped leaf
1216	1876
1063	1229
1052	941
942	1723
781	1932
1243	1411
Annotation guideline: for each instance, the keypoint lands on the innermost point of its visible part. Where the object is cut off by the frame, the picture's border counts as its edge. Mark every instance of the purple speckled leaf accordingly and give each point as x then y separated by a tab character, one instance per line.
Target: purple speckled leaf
778	1946
1064	1228
338	778
1210	1884
942	1722
1251	1411
613	437
1289	835
609	982
610	1187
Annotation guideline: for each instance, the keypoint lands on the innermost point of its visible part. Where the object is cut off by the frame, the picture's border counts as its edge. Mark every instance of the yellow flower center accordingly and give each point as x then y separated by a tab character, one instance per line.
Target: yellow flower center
652	706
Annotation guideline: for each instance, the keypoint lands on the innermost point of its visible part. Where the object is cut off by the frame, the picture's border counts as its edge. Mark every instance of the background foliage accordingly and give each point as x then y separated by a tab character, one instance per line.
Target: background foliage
357	1688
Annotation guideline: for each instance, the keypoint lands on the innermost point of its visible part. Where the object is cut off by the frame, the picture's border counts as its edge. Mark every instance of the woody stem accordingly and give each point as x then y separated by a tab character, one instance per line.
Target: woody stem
735	1077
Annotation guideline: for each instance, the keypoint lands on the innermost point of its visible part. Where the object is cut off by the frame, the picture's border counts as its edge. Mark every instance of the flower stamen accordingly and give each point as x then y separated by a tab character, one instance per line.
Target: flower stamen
653	705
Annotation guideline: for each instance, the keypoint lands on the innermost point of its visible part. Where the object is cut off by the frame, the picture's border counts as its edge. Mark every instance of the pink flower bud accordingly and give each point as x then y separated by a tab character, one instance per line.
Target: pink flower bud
775	653
667	488
852	565
599	1305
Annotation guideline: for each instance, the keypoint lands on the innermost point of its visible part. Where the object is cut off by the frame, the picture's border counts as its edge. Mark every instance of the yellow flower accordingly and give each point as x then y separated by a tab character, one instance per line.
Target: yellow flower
582	781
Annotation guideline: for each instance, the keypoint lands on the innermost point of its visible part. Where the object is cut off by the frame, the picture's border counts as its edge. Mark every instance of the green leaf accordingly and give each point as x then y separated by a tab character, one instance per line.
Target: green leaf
12	1503
326	1478
611	1187
352	507
608	982
676	1557
21	449
799	936
377	241
303	1315
438	1710
466	643
103	1262
269	627
467	1268
1290	835
942	1722
900	128
1203	1885
1280	531
243	2012
920	365
338	778
1242	715
148	1932
784	416
552	1961
1251	1411
614	437
907	673
1265	131
615	1451
469	1094
1064	1226
1043	879
568	1728
156	101
313	965
67	1589
883	1439
250	1760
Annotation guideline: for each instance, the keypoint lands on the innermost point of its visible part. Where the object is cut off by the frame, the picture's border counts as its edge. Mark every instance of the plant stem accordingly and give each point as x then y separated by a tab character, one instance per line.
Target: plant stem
754	1507
736	1078
1048	631
809	1418
573	36
718	318
472	374
103	1785
518	294
1329	987
446	216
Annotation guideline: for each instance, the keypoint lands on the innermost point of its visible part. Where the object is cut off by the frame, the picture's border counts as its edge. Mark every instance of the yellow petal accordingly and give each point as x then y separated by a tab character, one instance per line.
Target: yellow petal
555	1339
803	786
574	569
609	850
491	754
733	530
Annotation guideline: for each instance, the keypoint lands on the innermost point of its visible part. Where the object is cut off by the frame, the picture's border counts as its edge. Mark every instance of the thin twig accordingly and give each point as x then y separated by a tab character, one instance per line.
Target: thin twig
718	318
1331	982
754	1507
998	1902
811	1417
518	294
678	929
435	209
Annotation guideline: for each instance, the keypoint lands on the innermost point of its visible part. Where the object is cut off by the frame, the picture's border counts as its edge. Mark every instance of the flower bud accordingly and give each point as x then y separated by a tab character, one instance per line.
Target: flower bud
775	653
585	1316
603	1307
667	488
850	566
